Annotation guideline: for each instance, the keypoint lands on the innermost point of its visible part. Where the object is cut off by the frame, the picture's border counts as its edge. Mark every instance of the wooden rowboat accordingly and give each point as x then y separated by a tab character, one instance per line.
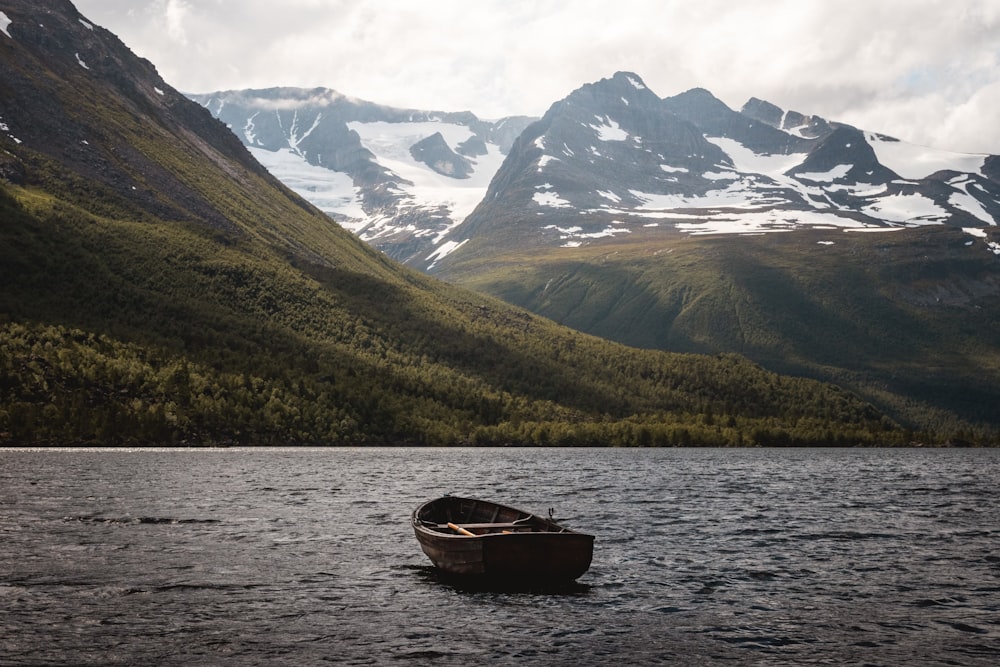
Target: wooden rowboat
481	539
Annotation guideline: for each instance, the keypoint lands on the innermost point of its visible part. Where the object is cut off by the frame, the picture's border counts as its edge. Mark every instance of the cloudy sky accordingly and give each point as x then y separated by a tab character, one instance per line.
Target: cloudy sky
927	71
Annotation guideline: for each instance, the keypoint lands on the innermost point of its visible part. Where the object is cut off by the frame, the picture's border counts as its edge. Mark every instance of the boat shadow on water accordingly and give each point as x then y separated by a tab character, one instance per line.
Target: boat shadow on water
471	584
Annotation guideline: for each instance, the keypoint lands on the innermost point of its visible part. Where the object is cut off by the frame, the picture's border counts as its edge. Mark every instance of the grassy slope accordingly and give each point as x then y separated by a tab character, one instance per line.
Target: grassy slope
123	331
908	319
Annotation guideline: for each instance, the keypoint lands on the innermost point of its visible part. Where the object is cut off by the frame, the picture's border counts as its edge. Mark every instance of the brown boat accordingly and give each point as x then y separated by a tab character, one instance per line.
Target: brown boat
481	539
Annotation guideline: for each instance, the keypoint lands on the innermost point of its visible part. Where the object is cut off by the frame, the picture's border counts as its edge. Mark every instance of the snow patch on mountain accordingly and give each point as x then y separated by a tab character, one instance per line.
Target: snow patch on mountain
915	162
762	222
6	130
295	135
391	142
443	251
332	192
735	196
4	24
544	160
609	130
746	160
914	209
975	232
830	176
549	198
965	201
638	85
573	237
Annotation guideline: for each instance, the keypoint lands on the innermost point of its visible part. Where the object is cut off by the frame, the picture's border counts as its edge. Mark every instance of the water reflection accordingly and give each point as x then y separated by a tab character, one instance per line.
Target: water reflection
470	584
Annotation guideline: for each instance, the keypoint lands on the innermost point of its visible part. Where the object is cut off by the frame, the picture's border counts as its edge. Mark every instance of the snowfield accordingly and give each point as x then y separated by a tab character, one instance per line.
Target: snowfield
391	142
915	162
753	193
332	192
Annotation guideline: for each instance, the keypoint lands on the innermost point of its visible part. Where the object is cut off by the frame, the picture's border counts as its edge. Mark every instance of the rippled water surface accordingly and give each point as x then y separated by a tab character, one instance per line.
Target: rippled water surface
298	557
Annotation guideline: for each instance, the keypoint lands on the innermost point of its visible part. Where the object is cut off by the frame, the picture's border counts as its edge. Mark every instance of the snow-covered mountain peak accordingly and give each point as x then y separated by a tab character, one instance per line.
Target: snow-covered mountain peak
399	178
613	159
610	159
611	96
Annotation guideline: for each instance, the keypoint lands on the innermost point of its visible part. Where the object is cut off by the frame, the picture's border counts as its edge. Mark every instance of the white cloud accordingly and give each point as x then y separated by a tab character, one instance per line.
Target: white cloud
925	70
967	124
174	13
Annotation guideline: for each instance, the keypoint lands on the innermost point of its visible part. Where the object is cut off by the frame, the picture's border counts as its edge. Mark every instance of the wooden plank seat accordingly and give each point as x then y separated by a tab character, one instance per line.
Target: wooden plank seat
484	526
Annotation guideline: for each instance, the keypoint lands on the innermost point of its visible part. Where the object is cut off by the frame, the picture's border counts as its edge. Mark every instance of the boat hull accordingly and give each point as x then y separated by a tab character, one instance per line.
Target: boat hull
511	545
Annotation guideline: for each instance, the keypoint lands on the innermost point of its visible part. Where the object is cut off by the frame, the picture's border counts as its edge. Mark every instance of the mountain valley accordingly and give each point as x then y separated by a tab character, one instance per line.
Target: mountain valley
810	246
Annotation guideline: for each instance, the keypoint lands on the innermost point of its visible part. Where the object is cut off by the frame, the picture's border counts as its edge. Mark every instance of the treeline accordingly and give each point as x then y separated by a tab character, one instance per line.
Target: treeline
61	386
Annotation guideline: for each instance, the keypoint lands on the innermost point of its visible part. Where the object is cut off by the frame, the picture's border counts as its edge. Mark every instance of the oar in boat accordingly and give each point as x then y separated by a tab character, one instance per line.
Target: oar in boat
461	531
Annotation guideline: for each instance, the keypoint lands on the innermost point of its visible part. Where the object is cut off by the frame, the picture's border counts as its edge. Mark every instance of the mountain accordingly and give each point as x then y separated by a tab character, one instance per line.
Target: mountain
159	286
810	246
614	159
398	178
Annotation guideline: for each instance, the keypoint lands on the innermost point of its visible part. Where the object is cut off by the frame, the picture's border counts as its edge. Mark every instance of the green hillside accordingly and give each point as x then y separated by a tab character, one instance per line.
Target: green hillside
907	319
159	287
122	332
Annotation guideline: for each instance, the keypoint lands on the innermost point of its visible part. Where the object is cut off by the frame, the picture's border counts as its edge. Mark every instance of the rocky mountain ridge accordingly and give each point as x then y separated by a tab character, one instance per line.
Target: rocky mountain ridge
613	159
52	37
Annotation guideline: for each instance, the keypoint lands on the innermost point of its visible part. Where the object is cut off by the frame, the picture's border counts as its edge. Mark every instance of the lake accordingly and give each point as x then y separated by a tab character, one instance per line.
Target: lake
306	556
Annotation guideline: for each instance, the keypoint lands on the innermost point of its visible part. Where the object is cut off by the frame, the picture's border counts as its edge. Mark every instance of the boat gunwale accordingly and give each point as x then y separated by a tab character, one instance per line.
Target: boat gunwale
530	520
